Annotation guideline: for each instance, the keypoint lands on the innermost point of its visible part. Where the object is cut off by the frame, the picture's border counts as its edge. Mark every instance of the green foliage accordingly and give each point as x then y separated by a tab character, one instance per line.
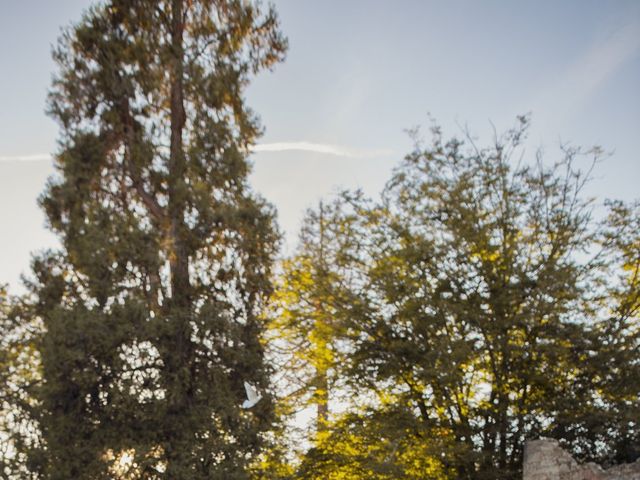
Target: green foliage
603	424
381	444
151	313
476	302
303	331
476	305
20	373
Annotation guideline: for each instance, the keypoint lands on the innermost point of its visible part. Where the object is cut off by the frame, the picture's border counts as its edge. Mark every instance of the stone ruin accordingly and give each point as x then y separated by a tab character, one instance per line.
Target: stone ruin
544	459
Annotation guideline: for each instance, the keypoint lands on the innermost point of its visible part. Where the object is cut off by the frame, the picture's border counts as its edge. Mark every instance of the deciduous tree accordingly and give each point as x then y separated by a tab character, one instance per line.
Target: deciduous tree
479	318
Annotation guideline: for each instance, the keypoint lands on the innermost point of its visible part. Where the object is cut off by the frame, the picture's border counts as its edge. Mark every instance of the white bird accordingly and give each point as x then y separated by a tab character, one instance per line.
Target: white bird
253	396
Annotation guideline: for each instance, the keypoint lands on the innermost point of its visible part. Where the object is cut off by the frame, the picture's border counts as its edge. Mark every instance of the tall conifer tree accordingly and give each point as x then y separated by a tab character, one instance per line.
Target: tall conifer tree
152	307
306	329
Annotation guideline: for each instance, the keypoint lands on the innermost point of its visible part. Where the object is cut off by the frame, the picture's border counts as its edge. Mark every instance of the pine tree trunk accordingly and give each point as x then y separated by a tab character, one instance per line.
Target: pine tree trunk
178	353
179	259
322	379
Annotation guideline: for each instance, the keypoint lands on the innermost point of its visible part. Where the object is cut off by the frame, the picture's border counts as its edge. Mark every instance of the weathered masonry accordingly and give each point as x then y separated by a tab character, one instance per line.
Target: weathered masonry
544	459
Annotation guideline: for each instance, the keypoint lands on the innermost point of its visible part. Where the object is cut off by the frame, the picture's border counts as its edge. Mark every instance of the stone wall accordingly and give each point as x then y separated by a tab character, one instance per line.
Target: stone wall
544	459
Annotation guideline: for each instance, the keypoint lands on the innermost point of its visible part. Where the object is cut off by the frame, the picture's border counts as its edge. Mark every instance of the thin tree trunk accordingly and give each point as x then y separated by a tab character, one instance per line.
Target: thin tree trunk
322	399
322	379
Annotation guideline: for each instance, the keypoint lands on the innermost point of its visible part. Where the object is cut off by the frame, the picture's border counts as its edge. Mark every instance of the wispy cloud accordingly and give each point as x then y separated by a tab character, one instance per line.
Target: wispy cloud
338	150
26	158
582	78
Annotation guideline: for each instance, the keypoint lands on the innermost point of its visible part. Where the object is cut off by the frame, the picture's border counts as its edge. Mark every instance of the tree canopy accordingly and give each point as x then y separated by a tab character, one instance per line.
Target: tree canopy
151	311
482	300
480	304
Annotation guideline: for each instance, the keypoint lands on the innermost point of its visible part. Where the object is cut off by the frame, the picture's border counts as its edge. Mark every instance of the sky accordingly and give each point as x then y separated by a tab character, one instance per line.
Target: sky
358	75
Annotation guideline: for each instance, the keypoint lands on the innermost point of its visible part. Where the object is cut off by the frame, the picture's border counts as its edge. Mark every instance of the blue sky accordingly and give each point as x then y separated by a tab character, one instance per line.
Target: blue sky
358	74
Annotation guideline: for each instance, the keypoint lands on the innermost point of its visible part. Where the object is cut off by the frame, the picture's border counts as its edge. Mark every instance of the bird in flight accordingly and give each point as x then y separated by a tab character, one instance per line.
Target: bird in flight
253	396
